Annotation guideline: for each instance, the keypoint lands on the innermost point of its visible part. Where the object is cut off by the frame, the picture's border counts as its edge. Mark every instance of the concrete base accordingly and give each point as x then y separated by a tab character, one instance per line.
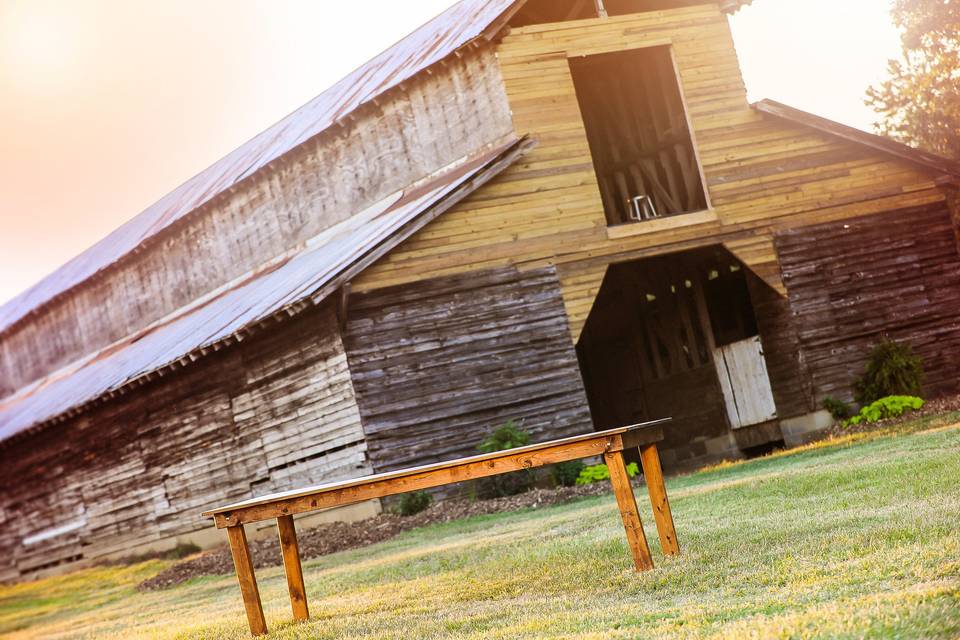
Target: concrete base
803	429
700	453
758	435
349	513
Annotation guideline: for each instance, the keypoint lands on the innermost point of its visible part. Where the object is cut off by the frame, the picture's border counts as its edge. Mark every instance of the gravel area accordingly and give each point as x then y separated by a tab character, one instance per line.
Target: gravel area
339	536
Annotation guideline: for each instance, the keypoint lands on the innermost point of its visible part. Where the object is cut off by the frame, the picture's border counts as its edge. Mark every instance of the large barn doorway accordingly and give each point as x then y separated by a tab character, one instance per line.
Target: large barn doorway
677	336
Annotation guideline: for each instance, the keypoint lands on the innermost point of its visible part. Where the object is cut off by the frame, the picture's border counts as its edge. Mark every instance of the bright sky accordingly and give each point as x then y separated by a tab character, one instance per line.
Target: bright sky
106	105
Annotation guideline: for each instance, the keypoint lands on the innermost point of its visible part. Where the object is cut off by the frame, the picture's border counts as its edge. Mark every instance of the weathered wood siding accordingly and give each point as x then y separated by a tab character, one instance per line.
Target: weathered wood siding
432	121
277	411
762	174
439	364
895	273
789	377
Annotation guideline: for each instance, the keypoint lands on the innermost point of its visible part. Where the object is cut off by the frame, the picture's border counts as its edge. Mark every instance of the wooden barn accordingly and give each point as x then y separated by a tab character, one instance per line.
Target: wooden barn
560	212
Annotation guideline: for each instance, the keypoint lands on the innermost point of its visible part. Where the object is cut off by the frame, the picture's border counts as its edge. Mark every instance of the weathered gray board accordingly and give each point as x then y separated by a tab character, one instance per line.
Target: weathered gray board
273	412
742	372
437	364
850	282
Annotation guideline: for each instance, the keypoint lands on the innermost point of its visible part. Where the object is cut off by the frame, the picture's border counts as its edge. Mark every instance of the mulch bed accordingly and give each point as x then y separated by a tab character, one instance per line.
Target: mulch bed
934	407
340	536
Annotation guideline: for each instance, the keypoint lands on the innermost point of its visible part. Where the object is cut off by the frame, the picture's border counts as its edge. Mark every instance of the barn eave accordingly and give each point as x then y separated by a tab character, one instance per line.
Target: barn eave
282	288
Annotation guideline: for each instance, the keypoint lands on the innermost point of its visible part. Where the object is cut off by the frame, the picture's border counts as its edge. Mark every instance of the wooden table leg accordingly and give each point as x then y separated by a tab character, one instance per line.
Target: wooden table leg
291	565
628	510
653	474
247	579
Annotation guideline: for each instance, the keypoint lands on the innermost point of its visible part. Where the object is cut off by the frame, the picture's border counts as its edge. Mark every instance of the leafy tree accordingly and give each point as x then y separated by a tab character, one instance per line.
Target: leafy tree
920	102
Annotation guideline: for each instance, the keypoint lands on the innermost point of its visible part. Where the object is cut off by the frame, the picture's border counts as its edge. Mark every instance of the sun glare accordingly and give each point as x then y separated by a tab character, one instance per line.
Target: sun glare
37	45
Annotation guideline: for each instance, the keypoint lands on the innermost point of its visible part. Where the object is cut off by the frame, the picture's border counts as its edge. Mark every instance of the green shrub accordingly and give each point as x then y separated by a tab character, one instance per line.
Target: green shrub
598	472
884	408
506	436
839	409
414	502
182	550
565	474
892	370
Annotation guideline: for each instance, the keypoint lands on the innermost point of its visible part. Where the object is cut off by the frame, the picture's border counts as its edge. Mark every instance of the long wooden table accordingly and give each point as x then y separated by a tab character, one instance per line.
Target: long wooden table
283	506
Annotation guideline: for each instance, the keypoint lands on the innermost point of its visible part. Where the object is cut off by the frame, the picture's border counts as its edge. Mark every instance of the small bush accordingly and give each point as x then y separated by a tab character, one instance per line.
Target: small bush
506	436
892	370
885	408
839	409
598	472
565	474
182	550
414	502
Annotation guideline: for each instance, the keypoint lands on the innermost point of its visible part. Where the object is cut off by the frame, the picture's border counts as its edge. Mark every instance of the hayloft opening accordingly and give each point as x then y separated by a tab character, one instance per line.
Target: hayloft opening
547	11
639	134
623	7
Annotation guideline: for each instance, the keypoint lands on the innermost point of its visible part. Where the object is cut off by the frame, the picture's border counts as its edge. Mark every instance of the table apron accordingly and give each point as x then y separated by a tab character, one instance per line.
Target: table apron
417	481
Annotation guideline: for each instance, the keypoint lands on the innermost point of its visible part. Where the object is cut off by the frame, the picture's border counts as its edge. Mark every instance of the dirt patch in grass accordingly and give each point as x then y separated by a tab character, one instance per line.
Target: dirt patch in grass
340	536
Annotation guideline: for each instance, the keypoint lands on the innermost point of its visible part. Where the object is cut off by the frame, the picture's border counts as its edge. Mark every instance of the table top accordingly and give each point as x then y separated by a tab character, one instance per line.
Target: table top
400	473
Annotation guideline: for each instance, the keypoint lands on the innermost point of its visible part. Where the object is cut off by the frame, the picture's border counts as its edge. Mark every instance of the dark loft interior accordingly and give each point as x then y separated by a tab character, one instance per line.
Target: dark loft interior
546	11
640	140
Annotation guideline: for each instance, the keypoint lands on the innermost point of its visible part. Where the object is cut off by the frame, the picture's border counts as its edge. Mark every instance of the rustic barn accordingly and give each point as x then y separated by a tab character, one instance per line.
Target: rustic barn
563	213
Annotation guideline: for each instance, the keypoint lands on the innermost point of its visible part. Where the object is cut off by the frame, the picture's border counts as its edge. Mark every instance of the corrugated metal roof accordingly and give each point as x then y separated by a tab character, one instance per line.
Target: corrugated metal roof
429	44
285	284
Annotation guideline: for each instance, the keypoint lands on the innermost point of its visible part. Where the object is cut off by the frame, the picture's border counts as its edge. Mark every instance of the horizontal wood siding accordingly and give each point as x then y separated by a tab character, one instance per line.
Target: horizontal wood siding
439	364
762	174
274	412
896	273
789	376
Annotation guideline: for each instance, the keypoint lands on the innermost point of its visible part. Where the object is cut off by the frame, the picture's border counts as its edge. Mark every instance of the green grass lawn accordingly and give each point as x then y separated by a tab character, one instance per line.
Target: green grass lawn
850	539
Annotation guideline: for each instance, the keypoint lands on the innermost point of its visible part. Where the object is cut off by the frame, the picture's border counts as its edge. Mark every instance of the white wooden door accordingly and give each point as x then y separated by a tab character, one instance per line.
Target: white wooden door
742	371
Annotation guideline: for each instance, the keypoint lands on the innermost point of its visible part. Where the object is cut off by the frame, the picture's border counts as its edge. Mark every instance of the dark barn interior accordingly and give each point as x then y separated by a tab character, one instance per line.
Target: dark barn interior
652	345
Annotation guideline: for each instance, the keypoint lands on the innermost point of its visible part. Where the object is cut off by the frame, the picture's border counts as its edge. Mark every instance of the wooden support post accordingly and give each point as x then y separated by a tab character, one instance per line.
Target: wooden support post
247	580
628	510
291	564
653	474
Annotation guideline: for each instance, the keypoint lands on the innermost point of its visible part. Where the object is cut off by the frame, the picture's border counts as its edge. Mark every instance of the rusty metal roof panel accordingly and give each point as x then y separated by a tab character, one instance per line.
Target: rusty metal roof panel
304	275
434	41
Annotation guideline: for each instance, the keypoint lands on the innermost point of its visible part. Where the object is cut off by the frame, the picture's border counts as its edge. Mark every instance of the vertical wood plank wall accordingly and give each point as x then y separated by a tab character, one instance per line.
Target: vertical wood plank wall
274	412
896	273
762	174
439	364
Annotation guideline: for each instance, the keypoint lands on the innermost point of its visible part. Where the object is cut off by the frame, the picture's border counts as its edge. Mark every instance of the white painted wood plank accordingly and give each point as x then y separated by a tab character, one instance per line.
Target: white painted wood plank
745	382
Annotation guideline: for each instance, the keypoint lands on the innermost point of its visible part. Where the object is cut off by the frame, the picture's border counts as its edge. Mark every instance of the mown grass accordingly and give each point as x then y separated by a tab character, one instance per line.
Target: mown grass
858	537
